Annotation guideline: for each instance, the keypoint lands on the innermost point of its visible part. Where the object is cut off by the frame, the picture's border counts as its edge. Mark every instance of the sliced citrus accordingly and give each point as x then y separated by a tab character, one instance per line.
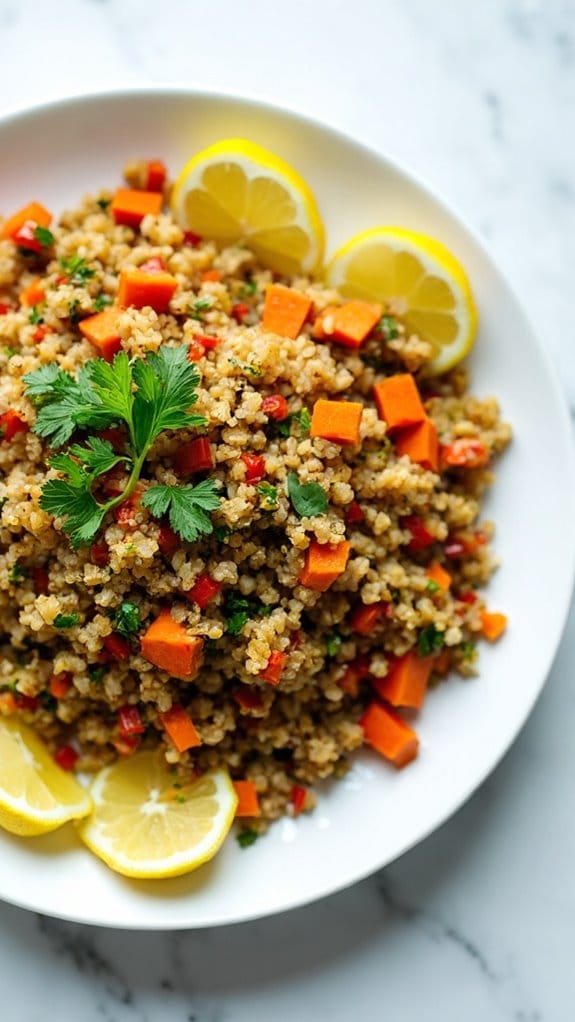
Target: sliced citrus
237	191
420	278
36	795
147	825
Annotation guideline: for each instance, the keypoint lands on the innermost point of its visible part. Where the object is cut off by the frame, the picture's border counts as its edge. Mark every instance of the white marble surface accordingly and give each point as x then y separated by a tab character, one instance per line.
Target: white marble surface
477	924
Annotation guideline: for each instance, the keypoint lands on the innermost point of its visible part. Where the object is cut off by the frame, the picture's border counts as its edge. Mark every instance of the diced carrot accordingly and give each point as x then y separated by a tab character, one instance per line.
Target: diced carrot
12	423
248	801
285	311
33	211
210	275
437	573
167	644
131	205
354	674
180	728
336	420
194	456
405	683
493	624
102	331
398	401
420	444
8	704
322	328
156	174
33	294
350	324
273	670
365	617
41	332
196	351
60	684
465	452
389	735
298	799
324	563
138	289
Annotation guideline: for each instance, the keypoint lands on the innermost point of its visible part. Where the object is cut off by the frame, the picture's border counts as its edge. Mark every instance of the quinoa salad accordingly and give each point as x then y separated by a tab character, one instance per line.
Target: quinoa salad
240	520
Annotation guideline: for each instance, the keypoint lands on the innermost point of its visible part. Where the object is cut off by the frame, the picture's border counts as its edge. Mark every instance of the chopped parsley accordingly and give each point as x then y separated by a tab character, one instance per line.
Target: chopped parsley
35	315
308	499
17	573
127	620
77	270
222	533
301	419
239	609
333	643
148	396
248	289
468	650
389	328
66	620
246	837
103	203
433	587
269	495
101	301
251	368
96	672
198	308
430	641
9	351
44	236
48	702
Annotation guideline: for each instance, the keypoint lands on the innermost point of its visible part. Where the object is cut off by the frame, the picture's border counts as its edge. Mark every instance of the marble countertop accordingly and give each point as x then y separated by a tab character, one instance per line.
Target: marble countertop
476	923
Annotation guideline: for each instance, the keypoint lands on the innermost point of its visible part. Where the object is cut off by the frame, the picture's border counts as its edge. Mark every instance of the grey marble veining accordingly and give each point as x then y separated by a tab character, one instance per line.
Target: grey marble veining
477	923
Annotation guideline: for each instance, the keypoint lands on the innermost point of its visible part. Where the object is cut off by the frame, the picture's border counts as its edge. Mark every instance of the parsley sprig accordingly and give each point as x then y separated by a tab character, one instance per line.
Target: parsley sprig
148	395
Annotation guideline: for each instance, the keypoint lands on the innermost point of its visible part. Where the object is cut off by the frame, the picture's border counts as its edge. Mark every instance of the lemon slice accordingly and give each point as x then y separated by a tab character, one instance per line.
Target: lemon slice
238	191
421	277
35	794
145	825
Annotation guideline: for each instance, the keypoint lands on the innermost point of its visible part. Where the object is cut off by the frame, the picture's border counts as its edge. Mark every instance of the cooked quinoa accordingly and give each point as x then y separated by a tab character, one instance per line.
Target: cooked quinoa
59	606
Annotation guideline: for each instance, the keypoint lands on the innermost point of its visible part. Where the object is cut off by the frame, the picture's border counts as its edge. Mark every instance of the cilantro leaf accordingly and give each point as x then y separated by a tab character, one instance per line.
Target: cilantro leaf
430	641
66	620
187	507
308	499
44	236
246	837
269	495
77	271
127	619
167	383
35	315
98	455
101	301
388	327
58	397
433	587
73	501
332	644
109	387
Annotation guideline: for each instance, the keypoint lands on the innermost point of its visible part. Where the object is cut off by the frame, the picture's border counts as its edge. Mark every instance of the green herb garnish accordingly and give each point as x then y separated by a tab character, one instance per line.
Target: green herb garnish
430	641
248	289
251	368
468	650
77	271
246	837
66	620
44	236
239	609
17	574
127	620
389	328
48	702
222	533
198	308
148	395
35	316
96	672
308	499
433	587
9	351
301	418
103	203
269	495
101	301
333	643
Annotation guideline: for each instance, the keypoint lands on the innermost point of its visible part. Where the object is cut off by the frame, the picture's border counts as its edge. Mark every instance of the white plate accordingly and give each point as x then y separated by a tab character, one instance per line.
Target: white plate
58	152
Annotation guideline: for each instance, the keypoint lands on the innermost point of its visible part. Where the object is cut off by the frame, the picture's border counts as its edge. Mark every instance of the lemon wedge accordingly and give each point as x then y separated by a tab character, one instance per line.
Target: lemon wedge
423	280
36	795
145	825
237	191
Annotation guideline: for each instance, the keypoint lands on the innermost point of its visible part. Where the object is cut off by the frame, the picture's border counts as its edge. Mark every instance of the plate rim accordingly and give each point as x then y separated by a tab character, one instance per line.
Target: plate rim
20	112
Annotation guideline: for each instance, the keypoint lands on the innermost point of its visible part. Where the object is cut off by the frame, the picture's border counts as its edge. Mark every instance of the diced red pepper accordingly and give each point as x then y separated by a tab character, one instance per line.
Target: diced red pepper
420	536
296	639
239	311
196	351
117	646
168	542
461	544
354	674
468	597
115	435
354	514
60	684
100	553
66	757
275	407
248	698
126	746
41	332
273	670
465	452
25	237
125	513
193	239
195	456
23	702
255	467
130	722
156	174
155	264
207	341
40	580
365	617
203	591
12	423
298	799
5	308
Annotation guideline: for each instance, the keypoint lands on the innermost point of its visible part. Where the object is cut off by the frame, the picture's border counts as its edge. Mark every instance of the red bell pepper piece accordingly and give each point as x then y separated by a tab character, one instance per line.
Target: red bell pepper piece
12	423
255	467
420	536
273	670
207	341
66	757
117	646
40	579
354	514
298	799
155	264
203	591
239	311
195	456
100	553
168	542
60	684
156	174
248	698
275	407
130	722
193	239
196	351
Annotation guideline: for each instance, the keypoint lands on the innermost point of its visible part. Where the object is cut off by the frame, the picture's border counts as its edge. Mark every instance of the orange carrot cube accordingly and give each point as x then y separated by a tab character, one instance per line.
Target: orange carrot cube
493	624
398	401
34	211
389	735
338	421
138	289
437	573
248	801
131	205
285	311
102	331
167	644
420	444
405	683
323	564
